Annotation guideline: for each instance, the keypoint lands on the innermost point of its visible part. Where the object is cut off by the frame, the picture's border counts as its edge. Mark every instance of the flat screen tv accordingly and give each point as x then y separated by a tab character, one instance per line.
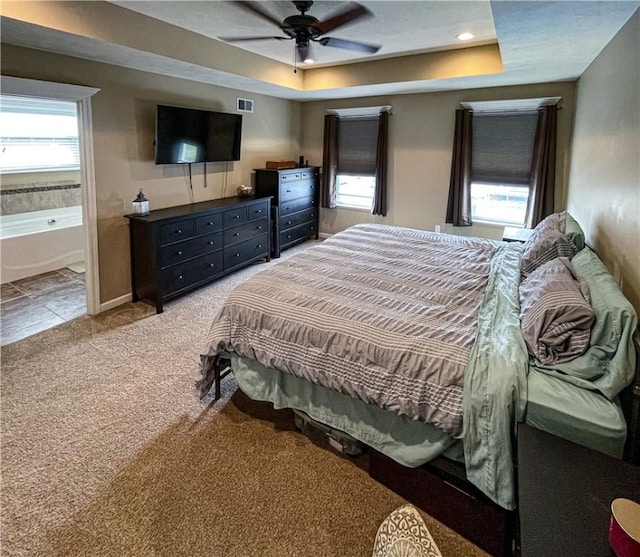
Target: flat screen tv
188	135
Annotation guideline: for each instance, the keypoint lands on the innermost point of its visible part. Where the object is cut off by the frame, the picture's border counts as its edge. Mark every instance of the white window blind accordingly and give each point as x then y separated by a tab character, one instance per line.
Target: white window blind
38	135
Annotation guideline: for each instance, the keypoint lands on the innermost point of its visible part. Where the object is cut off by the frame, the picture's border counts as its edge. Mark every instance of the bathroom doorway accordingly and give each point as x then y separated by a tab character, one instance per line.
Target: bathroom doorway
48	221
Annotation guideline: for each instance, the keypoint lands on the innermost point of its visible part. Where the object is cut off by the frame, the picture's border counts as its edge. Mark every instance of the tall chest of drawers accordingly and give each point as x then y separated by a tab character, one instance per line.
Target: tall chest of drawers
295	193
178	249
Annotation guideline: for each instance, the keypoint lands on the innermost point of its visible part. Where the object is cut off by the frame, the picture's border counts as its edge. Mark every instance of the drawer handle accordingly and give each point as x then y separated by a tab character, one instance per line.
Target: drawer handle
179	252
288	222
179	277
212	264
288	191
313	203
287	208
288	236
236	234
209	224
210	242
237	255
179	231
259	227
313	215
236	216
259	246
258	211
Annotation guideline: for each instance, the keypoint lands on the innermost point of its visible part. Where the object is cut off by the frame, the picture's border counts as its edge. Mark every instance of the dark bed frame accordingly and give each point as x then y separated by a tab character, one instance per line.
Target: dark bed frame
441	489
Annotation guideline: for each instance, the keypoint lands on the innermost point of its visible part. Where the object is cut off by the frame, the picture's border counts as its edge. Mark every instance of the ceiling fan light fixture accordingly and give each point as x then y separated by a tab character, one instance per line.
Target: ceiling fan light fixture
465	36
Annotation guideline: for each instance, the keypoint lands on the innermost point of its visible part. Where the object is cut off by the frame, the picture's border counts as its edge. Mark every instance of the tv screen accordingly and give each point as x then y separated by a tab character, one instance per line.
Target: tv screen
188	135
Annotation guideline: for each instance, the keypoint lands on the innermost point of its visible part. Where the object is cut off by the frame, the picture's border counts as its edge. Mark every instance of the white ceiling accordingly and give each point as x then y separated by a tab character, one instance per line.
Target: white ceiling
401	27
539	41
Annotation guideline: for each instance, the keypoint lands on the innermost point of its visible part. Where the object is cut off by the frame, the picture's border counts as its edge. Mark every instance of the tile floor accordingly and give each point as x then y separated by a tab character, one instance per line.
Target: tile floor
33	304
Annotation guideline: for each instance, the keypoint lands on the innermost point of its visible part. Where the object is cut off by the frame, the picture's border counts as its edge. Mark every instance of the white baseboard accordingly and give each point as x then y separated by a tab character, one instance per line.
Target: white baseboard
115	302
324	235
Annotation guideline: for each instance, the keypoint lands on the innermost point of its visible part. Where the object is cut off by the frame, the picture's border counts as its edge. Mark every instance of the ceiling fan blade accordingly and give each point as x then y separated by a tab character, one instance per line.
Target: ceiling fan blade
352	12
240	39
257	9
349	45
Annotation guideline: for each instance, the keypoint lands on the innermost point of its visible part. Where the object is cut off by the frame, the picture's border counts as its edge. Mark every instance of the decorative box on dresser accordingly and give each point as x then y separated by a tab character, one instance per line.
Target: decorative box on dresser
294	213
178	249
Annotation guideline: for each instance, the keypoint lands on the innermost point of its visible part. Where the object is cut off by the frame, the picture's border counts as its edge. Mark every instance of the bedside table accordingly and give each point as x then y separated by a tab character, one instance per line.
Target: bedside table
565	493
515	234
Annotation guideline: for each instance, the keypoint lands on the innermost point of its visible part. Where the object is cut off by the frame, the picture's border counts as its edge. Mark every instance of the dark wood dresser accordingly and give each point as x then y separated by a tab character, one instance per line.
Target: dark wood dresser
177	249
295	193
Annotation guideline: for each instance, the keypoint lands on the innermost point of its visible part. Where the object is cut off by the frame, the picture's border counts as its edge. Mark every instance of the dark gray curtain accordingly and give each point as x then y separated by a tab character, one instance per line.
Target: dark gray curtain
459	204
329	161
380	194
543	167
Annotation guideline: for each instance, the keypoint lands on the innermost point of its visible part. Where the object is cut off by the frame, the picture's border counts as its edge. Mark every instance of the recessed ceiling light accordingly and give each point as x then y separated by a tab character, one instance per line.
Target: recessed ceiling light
309	61
465	36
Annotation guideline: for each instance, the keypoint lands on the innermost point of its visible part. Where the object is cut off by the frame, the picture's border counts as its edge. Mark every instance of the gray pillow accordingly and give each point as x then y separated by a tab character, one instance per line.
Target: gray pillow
547	242
555	313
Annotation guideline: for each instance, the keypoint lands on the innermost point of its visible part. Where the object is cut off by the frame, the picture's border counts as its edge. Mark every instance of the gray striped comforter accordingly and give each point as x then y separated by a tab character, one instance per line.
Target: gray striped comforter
381	313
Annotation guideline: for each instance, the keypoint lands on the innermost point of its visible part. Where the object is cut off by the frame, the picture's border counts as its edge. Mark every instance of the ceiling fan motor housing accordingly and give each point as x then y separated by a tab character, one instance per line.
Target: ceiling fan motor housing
301	28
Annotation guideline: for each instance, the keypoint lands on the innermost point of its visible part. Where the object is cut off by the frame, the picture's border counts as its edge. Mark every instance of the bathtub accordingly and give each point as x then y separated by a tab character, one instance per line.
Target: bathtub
40	241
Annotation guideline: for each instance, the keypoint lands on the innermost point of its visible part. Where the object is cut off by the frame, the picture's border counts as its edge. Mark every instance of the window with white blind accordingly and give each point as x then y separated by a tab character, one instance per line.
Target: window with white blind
502	150
357	146
38	135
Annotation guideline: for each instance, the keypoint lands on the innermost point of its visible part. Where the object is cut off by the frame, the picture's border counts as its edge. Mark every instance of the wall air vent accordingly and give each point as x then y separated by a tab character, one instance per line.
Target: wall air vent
244	105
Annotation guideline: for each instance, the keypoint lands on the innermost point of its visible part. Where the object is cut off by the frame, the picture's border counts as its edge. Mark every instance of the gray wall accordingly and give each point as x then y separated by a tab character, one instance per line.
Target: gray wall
604	184
123	132
420	146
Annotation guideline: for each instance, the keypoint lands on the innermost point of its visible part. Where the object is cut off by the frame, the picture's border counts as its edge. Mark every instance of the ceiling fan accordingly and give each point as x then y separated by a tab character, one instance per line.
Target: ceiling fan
305	29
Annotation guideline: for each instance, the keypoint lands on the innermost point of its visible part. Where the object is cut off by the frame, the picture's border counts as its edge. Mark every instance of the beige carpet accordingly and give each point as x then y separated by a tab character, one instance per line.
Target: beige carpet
107	451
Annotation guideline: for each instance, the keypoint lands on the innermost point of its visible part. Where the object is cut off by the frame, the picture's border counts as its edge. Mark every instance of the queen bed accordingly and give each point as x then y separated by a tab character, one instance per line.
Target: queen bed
423	345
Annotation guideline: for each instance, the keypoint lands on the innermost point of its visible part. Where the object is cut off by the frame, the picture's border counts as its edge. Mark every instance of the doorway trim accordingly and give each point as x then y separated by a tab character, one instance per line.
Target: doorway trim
82	97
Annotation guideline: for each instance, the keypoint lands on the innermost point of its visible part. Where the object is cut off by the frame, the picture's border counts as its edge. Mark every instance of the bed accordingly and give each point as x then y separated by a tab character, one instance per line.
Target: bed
411	342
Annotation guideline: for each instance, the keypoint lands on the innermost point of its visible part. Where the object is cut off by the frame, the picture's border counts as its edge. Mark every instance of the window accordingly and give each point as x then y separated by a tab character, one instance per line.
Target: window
355	191
502	149
38	135
357	146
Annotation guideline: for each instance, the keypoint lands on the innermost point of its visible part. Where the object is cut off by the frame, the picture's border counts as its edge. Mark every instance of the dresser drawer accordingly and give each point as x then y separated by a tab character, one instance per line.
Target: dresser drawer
296	205
181	251
309	173
291	177
245	232
206	266
208	243
185	274
234	216
298	218
246	251
294	234
208	224
305	188
176	231
258	210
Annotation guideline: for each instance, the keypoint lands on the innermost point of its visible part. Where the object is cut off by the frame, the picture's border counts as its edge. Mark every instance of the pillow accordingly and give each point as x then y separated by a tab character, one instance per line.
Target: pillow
555	313
573	232
404	534
547	242
608	365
